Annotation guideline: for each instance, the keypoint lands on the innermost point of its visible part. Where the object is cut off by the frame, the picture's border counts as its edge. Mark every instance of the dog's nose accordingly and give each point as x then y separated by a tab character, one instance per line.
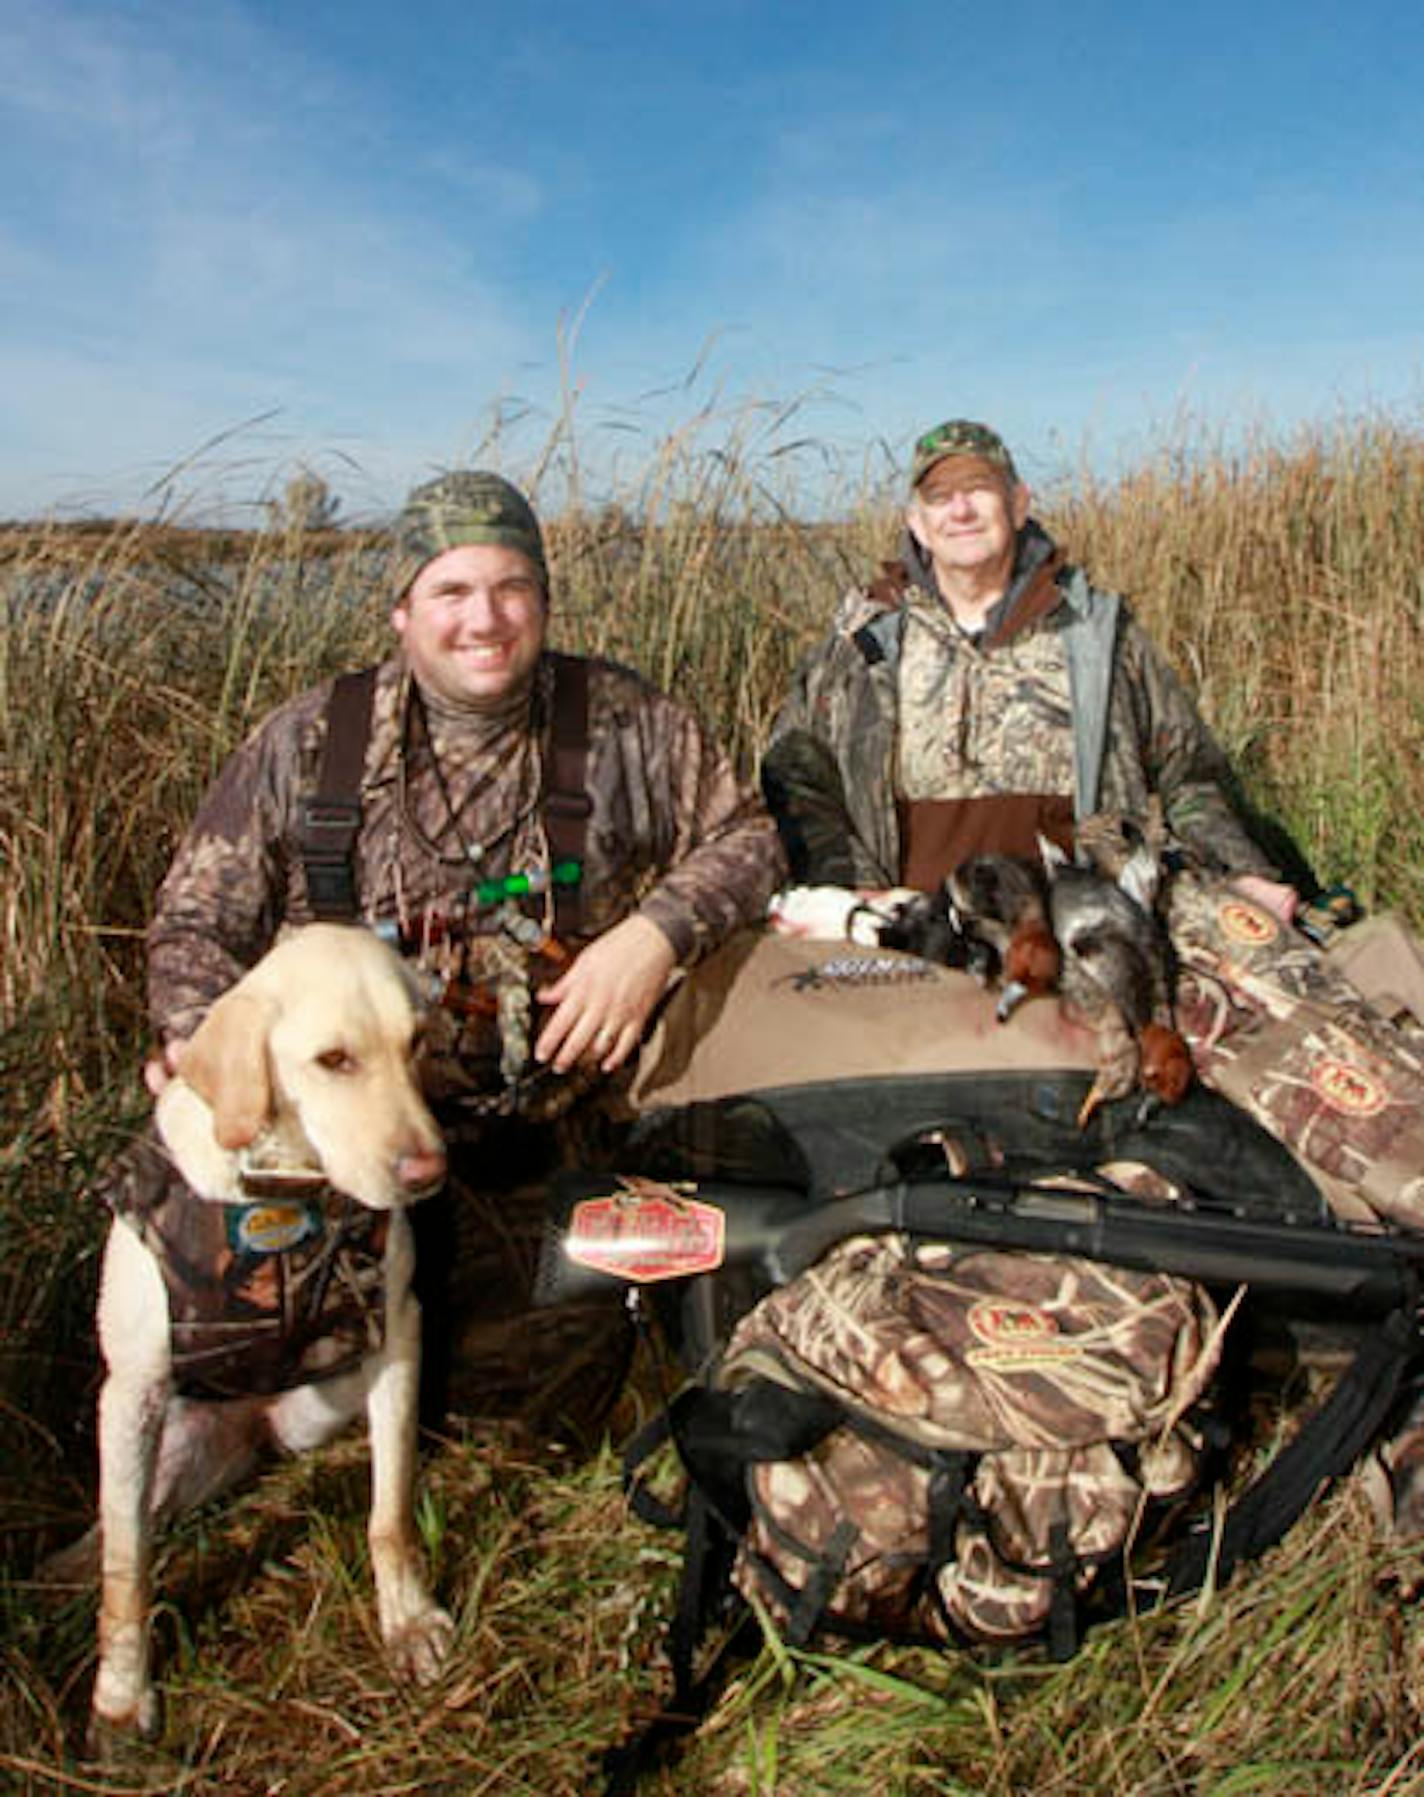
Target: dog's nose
422	1171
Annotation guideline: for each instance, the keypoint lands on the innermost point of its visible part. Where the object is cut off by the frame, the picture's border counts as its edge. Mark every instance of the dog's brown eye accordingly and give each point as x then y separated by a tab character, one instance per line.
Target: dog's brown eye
337	1060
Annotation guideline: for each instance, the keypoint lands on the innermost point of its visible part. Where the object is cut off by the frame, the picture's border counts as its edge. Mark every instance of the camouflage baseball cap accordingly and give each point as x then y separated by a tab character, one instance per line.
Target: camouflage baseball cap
467	505
960	436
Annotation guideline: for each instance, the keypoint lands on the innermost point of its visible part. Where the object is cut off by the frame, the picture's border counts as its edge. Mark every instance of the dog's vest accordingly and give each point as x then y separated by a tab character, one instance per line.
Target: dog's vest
263	1295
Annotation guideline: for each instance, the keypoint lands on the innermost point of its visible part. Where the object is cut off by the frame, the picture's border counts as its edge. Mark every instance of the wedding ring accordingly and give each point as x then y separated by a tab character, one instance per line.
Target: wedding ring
604	1038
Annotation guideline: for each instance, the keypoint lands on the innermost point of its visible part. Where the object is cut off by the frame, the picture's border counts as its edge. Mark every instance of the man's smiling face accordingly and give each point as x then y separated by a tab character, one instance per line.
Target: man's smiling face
967	513
473	623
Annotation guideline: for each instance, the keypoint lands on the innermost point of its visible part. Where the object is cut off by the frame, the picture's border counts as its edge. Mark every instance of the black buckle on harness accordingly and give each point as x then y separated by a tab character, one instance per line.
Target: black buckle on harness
329	826
327	837
571	805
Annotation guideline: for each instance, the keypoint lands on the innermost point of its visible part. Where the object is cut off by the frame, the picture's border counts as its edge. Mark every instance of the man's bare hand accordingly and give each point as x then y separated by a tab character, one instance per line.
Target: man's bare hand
602	1003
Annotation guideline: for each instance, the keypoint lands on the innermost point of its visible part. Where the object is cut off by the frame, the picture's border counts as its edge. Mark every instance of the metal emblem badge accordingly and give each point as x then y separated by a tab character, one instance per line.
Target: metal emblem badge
647	1230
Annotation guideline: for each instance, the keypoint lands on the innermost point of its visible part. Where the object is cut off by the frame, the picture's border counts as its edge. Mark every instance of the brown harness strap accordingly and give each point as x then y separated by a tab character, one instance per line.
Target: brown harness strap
566	804
329	821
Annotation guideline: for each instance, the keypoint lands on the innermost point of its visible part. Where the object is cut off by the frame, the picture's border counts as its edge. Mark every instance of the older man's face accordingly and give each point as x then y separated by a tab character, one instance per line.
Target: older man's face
473	623
966	514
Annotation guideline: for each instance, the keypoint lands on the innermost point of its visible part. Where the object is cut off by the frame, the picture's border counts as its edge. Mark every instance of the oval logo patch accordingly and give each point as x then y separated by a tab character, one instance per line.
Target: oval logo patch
1348	1088
1247	923
271	1228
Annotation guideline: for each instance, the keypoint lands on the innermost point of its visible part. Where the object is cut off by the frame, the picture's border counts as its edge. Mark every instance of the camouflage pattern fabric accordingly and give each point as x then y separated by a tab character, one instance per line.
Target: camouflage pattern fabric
979	722
672	833
489	1351
832	772
1276	1026
1383	959
262	1297
960	436
463	506
1031	1365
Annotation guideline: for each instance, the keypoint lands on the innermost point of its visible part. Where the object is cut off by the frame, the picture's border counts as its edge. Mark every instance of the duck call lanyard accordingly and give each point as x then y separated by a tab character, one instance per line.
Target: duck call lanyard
330	819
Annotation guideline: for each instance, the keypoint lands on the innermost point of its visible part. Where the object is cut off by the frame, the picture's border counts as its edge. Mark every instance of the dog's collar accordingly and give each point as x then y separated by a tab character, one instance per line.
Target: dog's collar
256	1180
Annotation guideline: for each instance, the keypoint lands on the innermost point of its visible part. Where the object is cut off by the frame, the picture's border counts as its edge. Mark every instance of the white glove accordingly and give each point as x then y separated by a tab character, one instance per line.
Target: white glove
834	913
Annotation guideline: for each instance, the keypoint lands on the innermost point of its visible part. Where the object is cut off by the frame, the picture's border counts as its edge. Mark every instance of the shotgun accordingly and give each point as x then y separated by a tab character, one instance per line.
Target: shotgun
636	1230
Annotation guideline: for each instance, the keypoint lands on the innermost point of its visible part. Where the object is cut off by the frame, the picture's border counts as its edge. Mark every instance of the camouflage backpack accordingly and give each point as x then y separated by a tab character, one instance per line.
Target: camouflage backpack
994	1426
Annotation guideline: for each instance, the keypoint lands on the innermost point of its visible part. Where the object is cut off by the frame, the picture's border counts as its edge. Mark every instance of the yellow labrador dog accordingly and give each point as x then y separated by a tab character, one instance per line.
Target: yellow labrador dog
266	1298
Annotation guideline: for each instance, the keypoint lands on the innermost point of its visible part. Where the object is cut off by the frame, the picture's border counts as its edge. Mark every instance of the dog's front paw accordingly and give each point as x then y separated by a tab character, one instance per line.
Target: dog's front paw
115	1737
419	1648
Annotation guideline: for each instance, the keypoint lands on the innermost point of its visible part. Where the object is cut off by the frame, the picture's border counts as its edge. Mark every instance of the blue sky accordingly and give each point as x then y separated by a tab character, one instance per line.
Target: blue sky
342	235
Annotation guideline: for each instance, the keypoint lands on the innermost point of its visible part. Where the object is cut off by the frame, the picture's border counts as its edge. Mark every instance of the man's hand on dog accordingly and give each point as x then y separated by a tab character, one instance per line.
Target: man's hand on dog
602	1003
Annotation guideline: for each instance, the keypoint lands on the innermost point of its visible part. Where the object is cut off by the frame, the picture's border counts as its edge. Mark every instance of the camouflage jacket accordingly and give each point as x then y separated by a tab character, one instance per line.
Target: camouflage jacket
1077	703
672	833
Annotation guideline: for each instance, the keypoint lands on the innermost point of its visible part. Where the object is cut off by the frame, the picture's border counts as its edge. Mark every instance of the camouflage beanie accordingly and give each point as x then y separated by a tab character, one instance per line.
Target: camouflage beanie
467	505
960	436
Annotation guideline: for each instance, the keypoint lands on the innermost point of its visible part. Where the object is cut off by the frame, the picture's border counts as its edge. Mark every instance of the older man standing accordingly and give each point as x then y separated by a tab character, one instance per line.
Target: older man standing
477	795
981	692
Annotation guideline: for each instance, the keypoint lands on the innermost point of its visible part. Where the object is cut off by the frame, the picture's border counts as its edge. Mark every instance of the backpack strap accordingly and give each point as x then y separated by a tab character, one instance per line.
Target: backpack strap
706	1575
329	820
1326	1447
645	1504
566	805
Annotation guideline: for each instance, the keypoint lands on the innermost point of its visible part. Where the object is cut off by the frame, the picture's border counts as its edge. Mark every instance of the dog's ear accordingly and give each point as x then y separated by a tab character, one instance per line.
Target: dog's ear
225	1062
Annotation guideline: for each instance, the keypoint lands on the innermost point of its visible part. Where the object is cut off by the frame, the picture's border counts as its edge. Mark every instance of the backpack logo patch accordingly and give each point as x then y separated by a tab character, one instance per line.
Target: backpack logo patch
1014	1334
1246	923
1348	1088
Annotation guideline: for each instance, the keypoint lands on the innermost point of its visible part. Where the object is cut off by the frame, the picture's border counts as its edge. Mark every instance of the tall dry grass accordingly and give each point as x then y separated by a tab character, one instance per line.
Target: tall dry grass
1284	581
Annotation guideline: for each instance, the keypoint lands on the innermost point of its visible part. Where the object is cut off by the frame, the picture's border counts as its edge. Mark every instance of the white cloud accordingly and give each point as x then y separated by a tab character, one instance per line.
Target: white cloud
500	191
223	212
191	253
79	78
